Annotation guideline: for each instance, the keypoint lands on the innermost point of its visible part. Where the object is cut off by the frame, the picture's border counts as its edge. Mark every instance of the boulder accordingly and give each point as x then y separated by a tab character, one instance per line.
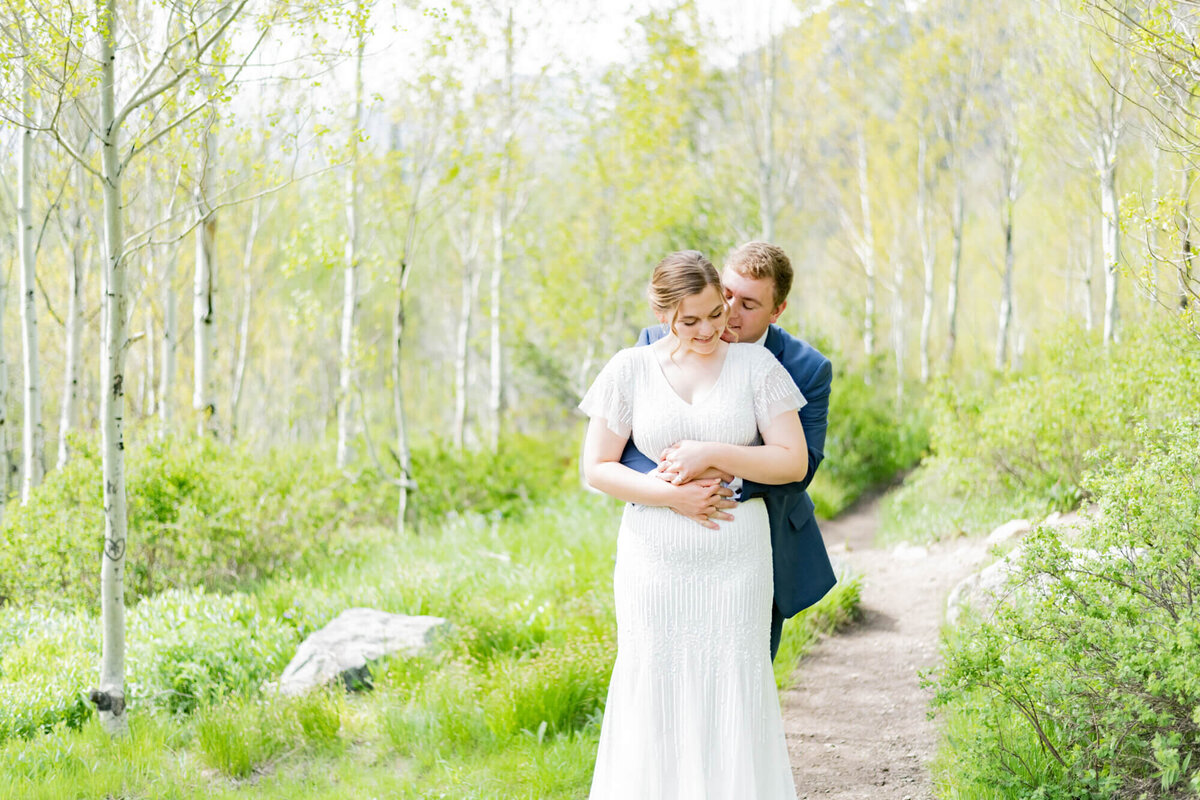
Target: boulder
1008	531
980	589
343	648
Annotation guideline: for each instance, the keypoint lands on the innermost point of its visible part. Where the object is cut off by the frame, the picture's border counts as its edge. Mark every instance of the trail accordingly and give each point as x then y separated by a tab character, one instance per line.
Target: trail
856	720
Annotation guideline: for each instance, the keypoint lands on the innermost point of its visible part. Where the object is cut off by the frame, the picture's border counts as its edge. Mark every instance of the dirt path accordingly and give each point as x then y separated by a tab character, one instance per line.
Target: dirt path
856	720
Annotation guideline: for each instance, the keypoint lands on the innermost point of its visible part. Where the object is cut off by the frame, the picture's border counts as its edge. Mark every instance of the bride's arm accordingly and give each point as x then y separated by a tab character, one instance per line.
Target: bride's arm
781	458
699	500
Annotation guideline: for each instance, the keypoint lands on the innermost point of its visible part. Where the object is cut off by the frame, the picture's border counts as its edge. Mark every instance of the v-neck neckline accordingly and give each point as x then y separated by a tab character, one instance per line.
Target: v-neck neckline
711	389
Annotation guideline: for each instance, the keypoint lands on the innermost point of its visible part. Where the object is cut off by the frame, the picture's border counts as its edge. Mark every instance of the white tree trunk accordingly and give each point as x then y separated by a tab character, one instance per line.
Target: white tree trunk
462	351
496	372
1186	251
204	399
956	225
500	221
898	338
69	408
1089	265
33	455
928	257
1110	238
1008	206
243	331
350	290
766	156
6	456
147	381
867	254
403	454
110	696
170	341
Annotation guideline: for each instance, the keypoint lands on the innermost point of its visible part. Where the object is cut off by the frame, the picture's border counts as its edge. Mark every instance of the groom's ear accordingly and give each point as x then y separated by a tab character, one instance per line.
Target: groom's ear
775	314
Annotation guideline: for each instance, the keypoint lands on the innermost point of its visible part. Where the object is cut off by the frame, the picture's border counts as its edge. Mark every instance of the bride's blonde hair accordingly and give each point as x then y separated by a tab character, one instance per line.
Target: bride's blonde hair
679	275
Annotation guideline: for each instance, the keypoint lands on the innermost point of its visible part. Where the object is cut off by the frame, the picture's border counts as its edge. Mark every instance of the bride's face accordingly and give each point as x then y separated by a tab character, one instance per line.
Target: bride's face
701	321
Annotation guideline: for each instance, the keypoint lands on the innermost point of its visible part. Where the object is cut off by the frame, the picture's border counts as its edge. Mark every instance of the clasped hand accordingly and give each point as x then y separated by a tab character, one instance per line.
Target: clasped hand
700	495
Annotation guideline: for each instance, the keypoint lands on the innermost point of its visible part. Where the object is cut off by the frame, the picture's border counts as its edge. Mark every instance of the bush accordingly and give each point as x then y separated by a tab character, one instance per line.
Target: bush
1088	683
1021	447
525	471
198	513
203	513
868	444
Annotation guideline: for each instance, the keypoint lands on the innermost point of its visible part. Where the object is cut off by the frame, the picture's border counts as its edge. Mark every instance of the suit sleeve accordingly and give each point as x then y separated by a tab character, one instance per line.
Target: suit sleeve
632	457
814	417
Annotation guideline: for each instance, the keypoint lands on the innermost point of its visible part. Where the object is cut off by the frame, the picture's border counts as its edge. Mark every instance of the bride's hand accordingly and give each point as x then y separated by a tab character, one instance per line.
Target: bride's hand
686	460
712	472
702	501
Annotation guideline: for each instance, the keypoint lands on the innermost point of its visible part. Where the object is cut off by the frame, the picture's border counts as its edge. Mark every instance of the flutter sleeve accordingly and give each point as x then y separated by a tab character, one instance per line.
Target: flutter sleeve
608	398
774	393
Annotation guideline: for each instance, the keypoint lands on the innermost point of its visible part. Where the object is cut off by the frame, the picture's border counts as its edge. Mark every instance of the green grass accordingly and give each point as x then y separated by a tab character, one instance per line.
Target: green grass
508	706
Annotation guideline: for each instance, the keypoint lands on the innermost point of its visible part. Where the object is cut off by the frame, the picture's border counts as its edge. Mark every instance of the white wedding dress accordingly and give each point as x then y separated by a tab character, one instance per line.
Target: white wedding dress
692	710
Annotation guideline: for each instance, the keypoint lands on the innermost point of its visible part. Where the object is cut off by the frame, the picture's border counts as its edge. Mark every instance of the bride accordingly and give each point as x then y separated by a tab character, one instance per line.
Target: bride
692	710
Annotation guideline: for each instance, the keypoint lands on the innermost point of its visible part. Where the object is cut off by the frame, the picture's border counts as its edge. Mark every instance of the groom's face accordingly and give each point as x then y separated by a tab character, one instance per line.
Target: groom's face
751	304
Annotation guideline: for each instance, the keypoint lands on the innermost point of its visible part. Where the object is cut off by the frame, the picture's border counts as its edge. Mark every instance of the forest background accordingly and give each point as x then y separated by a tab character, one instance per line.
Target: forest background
411	235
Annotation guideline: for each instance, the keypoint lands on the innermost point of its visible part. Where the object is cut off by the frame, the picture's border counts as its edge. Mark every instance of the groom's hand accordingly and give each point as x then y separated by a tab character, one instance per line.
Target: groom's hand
703	501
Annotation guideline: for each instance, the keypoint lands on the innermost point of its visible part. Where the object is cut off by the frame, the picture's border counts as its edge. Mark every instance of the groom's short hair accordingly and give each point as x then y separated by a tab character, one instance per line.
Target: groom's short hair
763	260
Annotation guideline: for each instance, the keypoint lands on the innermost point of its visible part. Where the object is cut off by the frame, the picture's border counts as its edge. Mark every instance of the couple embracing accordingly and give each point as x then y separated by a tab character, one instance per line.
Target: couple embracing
697	430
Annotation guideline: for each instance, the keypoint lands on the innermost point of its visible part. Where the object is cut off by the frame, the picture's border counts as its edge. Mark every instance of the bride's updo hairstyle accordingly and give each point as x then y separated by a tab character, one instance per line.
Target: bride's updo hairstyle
679	275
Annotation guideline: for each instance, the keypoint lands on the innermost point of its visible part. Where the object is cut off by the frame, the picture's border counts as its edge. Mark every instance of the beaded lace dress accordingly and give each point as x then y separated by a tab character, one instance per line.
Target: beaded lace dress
692	710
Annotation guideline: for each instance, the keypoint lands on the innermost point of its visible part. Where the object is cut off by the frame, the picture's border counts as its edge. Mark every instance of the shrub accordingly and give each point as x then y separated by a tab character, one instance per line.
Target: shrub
1021	446
1087	684
524	471
198	513
868	443
203	513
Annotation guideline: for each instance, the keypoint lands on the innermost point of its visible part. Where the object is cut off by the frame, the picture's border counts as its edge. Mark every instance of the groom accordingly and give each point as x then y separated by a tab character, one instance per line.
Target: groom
757	279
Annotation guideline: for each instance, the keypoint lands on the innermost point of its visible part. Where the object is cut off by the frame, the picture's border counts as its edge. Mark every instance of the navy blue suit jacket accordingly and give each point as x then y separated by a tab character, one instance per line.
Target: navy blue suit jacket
803	574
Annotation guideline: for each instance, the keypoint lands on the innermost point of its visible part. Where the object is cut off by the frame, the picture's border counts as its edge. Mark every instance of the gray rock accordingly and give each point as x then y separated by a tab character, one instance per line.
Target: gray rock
343	648
979	590
1008	531
982	590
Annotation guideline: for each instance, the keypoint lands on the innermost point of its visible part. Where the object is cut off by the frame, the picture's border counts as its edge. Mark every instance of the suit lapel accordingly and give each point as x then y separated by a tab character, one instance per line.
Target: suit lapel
774	342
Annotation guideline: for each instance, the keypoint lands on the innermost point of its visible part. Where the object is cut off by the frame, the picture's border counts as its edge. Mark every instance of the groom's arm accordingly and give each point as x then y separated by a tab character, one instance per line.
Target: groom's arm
632	457
814	417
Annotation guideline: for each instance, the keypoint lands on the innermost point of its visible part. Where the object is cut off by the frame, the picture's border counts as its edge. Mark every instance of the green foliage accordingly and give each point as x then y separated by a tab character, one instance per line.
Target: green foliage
203	513
46	666
319	715
553	692
236	735
188	647
525	470
199	513
1021	446
868	443
1086	684
505	706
